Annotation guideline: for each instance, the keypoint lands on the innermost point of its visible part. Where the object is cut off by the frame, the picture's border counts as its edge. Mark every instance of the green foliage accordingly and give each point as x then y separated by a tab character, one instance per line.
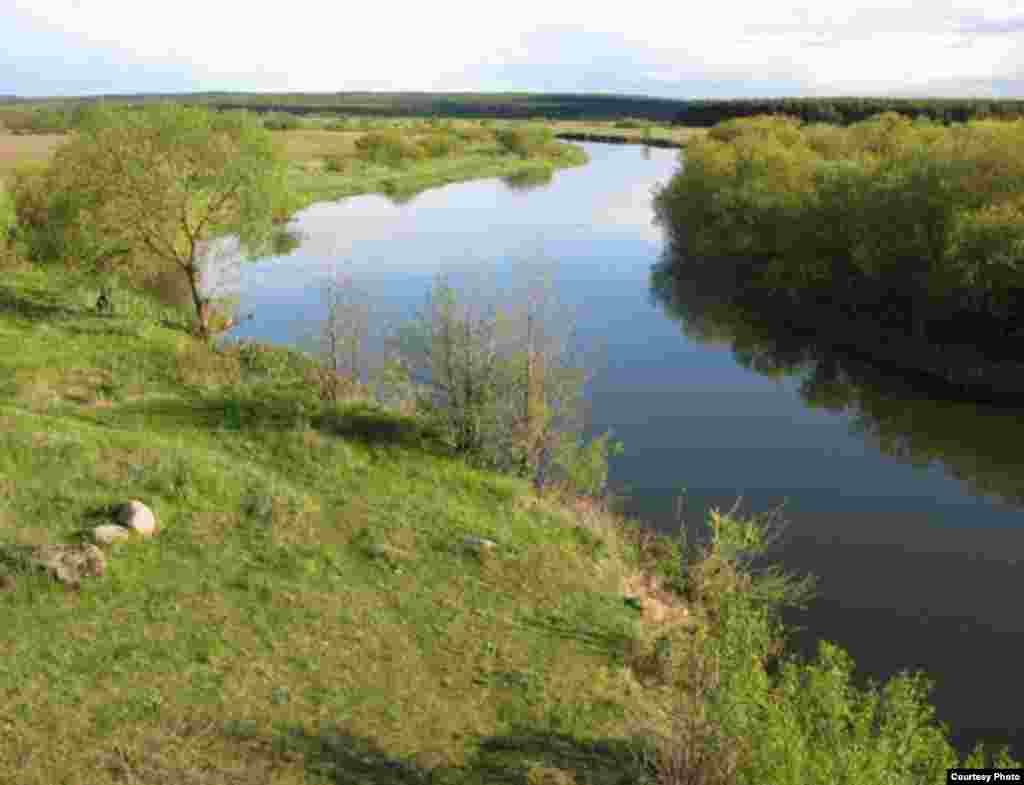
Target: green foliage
158	186
796	722
888	206
439	145
282	121
526	140
390	148
37	120
498	387
585	464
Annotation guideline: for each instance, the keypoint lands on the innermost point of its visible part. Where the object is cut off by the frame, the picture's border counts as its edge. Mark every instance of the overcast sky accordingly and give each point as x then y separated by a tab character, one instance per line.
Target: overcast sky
732	48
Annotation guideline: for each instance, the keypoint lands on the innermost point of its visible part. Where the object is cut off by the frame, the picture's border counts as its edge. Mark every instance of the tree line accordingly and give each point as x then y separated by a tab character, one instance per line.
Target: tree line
845	111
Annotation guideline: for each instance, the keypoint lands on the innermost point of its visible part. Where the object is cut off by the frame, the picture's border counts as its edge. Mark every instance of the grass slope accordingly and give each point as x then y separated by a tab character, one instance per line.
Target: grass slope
306	613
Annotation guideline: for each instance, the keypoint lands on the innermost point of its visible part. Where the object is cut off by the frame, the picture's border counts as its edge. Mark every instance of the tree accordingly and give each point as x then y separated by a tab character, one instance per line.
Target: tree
169	185
504	388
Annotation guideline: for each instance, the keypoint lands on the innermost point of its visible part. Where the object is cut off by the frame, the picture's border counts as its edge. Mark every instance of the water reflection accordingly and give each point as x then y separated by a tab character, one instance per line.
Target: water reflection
911	417
529	179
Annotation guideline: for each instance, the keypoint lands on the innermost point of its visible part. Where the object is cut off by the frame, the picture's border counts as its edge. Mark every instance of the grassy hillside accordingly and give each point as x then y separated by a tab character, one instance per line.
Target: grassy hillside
308	612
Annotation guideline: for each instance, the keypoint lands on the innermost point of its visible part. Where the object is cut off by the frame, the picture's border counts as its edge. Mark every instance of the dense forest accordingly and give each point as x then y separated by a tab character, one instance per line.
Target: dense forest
45	115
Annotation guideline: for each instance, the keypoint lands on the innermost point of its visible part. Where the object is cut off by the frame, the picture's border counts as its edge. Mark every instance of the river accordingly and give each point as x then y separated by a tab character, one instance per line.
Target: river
905	506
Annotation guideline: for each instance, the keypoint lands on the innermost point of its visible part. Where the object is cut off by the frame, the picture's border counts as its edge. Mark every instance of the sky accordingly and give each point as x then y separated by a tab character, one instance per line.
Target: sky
727	49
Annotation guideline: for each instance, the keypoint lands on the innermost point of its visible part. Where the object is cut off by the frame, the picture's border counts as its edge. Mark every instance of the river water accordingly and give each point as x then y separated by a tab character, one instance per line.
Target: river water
904	505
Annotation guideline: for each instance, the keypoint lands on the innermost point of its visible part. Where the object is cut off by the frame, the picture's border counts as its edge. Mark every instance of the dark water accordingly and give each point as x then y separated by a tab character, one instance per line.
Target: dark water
900	502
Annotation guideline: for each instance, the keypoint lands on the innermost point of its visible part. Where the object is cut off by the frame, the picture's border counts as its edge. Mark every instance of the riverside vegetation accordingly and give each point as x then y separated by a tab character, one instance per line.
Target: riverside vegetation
909	231
307	615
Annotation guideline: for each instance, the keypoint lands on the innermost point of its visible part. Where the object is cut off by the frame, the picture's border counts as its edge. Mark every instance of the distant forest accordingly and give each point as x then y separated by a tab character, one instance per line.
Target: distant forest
567	106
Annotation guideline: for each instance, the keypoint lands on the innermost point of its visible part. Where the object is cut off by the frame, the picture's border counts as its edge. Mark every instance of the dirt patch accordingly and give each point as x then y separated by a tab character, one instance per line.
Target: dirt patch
16	150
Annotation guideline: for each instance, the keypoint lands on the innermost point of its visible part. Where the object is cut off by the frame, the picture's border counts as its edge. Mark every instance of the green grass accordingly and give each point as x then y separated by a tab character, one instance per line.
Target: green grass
325	166
260	636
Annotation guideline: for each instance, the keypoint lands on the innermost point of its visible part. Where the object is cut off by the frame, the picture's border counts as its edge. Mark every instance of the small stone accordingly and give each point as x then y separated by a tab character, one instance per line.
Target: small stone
479	543
137	516
110	533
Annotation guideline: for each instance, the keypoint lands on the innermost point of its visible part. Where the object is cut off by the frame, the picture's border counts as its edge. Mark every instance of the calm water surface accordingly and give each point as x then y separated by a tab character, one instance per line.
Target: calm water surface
919	566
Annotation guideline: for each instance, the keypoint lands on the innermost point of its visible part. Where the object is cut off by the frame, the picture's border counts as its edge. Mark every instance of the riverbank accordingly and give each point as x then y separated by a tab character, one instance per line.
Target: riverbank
322	597
312	602
326	165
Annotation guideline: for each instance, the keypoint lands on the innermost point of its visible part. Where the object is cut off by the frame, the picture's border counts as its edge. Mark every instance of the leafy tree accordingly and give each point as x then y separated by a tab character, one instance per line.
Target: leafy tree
168	185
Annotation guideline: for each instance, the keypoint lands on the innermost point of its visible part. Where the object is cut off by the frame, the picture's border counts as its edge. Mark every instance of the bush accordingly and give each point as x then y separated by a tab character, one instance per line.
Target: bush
282	121
389	148
525	140
439	145
585	464
336	163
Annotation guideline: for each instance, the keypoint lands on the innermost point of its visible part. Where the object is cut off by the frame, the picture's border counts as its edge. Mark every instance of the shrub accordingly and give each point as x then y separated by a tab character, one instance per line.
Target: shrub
475	133
390	148
585	464
336	163
282	121
439	145
525	140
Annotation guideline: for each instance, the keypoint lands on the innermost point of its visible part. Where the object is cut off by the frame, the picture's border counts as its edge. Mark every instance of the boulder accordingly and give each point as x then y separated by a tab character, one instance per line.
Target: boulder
137	516
70	563
110	533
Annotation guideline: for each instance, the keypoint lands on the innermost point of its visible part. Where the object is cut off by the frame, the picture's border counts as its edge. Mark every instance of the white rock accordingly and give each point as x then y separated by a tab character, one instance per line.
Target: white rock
479	543
110	533
137	516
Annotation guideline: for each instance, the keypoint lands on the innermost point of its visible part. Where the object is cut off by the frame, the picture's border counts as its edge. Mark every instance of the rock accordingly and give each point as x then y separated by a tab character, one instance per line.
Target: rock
137	516
110	533
70	563
479	544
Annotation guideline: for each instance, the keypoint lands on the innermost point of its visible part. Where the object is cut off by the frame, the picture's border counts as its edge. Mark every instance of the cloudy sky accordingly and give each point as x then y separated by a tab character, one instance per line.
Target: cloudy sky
731	48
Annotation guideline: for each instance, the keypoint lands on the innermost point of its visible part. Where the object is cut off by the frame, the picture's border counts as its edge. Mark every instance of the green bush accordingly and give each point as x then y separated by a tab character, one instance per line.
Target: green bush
390	148
336	163
525	140
439	145
282	121
910	207
586	464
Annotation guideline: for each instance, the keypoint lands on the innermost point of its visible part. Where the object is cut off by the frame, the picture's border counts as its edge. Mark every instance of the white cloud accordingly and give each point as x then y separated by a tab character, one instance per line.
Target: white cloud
739	47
